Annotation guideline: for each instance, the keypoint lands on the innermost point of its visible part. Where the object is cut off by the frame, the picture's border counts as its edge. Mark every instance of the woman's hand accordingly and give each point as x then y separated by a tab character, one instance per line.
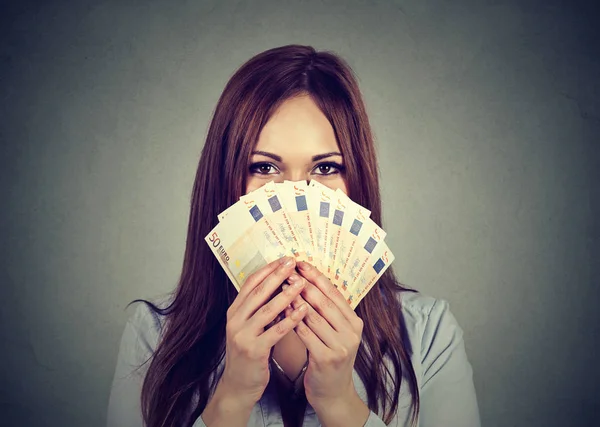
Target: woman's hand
332	332
248	344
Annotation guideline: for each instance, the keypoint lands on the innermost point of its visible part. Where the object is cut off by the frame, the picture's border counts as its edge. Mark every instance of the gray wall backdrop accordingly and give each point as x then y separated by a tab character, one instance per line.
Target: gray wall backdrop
486	116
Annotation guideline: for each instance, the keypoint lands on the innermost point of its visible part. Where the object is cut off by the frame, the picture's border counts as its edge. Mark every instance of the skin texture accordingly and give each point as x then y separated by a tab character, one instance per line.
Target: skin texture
298	143
296	133
331	331
248	344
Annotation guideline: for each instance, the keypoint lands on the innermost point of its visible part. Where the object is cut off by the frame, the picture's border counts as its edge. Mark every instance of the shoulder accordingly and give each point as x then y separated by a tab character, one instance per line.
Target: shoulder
420	308
430	324
444	373
423	309
145	325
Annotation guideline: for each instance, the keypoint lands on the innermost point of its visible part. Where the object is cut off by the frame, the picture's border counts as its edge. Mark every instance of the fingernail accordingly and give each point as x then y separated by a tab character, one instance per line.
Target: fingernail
285	286
303	307
303	265
282	260
298	284
289	262
293	278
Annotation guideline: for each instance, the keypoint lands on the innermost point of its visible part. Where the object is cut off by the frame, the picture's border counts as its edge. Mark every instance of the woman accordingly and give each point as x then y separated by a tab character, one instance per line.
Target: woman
210	356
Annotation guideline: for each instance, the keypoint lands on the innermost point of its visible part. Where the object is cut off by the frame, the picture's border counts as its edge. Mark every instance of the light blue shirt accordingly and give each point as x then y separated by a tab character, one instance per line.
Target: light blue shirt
444	374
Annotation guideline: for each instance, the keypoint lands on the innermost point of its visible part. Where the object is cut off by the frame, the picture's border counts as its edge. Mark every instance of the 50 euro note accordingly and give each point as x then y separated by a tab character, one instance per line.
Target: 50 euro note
223	214
349	242
268	200
320	199
294	197
378	263
244	241
344	220
369	238
235	252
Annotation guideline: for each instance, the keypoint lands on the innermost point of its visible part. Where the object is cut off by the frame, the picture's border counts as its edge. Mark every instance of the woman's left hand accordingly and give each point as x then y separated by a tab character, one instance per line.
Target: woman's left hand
332	332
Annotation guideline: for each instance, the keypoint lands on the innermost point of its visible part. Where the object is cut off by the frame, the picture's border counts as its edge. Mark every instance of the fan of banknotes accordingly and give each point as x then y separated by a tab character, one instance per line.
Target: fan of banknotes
310	222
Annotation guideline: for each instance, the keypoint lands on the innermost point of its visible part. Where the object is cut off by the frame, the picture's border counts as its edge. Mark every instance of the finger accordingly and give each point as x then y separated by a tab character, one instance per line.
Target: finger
321	281
271	336
263	291
311	341
289	309
256	279
326	308
318	324
269	311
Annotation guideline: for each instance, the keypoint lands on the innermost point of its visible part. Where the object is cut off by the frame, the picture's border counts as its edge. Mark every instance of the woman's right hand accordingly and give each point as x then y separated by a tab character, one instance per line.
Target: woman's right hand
248	344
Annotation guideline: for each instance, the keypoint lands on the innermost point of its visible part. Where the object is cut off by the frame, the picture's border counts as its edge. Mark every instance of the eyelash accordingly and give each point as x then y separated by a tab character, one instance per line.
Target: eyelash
338	168
254	168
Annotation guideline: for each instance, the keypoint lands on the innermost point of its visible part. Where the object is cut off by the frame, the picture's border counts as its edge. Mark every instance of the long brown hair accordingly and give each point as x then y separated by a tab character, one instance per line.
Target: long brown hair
192	342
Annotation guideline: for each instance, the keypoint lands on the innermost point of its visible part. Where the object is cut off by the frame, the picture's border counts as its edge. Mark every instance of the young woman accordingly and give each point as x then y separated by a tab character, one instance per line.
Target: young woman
210	356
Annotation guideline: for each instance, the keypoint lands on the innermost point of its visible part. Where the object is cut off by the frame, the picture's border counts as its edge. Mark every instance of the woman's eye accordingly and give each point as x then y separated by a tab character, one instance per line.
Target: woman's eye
263	169
328	169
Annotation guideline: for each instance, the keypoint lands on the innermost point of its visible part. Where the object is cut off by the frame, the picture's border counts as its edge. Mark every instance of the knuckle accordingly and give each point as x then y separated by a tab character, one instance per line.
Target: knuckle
328	359
238	342
302	330
248	350
251	279
280	329
314	318
337	358
333	292
230	329
245	290
266	310
343	354
358	324
258	291
328	303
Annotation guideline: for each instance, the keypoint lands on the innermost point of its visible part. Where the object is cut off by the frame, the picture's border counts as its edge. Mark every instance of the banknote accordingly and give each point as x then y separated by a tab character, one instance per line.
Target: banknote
224	213
235	250
251	214
348	242
321	198
310	222
378	263
369	237
344	218
269	201
294	198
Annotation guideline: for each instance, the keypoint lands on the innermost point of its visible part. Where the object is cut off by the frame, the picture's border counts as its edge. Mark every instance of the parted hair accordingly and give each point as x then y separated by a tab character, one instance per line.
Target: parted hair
192	343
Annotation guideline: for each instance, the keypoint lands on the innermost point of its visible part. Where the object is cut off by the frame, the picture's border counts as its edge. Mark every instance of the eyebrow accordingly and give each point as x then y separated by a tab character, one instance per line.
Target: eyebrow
314	159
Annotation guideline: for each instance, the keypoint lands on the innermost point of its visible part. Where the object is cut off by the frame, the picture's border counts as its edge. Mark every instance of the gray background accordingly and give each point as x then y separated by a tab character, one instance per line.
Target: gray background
486	116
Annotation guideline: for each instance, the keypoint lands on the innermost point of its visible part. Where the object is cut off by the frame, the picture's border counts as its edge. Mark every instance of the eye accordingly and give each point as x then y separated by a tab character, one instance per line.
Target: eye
263	168
328	168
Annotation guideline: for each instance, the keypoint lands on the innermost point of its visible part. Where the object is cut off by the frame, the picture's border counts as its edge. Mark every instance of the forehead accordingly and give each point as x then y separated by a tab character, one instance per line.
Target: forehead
297	126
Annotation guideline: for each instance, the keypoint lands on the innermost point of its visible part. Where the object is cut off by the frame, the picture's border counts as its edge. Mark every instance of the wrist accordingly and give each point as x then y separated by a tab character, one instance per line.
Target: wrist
334	403
232	401
347	411
226	408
